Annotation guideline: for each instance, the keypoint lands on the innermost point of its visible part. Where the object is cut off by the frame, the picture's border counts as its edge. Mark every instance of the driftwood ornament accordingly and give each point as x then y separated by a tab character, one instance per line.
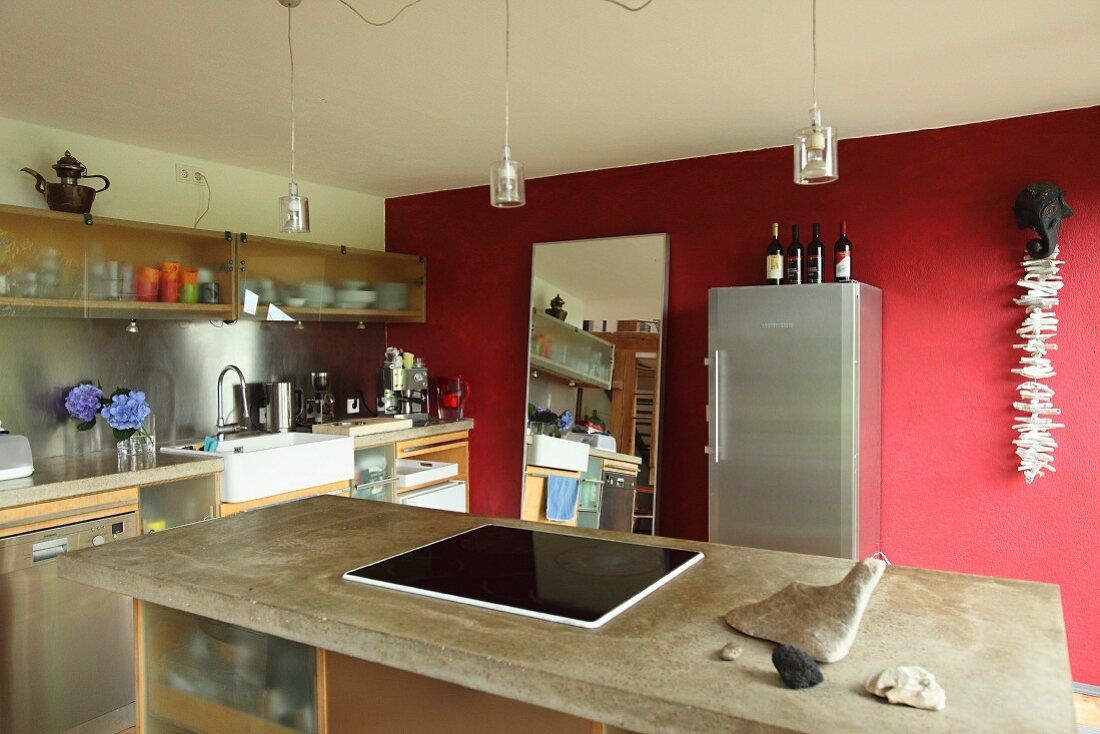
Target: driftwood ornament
822	620
1041	207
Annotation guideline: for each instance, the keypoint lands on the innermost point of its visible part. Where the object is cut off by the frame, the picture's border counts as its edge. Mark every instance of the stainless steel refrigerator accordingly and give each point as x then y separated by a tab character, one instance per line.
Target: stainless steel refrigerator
794	417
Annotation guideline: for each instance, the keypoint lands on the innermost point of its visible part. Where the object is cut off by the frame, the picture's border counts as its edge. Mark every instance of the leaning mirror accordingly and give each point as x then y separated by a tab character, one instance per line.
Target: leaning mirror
597	316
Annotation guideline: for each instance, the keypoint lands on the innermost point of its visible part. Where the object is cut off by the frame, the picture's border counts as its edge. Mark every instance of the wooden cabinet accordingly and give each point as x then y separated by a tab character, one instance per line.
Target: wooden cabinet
312	282
53	264
452	448
208	677
569	353
533	506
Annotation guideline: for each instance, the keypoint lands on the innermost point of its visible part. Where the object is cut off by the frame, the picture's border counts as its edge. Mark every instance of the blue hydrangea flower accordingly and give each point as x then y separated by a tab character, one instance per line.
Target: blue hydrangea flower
127	411
82	402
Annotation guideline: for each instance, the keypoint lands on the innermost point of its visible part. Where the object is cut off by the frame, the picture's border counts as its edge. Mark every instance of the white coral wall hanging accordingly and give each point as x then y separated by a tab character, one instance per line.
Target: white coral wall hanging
1041	207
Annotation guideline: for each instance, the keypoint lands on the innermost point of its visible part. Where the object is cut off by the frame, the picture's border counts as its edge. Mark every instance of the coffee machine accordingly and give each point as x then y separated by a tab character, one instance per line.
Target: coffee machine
321	408
403	387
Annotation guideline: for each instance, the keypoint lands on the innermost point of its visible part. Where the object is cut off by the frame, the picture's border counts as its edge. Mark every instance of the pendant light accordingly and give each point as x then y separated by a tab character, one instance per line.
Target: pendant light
293	209
506	175
815	146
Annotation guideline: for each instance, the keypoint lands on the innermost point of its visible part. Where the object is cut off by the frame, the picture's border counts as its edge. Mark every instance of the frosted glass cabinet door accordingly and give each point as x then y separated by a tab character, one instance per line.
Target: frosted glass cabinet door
206	676
53	264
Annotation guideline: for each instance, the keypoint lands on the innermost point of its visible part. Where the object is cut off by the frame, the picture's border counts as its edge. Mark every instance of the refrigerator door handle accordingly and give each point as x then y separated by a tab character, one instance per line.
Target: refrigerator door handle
716	364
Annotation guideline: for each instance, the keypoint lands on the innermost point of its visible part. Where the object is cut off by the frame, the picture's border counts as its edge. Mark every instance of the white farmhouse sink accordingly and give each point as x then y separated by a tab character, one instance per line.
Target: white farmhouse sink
557	453
258	466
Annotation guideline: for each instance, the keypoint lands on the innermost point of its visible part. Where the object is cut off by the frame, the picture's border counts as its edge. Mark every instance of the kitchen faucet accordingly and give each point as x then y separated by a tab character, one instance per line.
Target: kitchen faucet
243	425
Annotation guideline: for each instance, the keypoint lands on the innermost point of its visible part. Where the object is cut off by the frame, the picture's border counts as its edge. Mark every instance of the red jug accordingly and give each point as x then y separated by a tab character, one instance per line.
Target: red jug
450	397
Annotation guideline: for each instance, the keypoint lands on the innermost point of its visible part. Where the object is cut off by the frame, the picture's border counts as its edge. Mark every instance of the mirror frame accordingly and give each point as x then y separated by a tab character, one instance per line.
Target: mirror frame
661	362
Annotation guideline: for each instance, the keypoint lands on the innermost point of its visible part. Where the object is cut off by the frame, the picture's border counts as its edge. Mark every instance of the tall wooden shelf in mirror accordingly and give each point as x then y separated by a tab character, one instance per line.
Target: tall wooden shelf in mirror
598	356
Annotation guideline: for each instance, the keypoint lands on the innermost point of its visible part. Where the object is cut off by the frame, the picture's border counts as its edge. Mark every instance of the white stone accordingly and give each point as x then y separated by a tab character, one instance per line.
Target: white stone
822	620
732	651
910	685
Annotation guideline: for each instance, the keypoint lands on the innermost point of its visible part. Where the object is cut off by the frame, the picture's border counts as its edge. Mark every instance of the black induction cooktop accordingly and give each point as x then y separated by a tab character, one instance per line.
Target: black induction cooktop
573	579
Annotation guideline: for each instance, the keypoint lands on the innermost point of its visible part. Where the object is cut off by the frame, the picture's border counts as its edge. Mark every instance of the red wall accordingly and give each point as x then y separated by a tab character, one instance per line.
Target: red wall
929	217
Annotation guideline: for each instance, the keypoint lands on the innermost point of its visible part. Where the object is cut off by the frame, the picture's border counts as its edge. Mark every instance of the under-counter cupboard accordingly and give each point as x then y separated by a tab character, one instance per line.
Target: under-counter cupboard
53	264
94	499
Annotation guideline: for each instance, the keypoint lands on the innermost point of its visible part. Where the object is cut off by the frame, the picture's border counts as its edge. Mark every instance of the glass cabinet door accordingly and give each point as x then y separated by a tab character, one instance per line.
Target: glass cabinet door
53	264
202	675
375	476
570	353
311	282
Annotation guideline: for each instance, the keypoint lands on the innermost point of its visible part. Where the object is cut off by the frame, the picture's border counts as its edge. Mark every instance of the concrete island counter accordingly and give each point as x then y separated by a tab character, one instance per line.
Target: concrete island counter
246	623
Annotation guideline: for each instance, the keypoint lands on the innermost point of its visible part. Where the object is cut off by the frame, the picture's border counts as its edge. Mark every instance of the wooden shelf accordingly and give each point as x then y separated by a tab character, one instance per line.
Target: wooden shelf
205	717
307	313
125	309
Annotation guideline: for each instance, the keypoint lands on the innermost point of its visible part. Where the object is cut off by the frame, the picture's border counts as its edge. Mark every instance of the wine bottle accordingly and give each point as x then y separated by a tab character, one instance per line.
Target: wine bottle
775	258
843	253
815	256
794	258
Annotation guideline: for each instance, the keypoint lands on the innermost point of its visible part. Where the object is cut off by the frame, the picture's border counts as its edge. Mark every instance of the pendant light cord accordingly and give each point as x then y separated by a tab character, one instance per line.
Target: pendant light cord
814	46
507	59
290	46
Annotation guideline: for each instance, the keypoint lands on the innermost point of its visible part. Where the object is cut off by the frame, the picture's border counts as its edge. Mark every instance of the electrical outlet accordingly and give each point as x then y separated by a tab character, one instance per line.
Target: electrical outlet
353	406
189	174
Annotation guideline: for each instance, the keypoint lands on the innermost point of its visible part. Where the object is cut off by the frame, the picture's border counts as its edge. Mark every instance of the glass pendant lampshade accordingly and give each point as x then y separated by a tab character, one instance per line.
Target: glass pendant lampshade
506	182
815	152
294	211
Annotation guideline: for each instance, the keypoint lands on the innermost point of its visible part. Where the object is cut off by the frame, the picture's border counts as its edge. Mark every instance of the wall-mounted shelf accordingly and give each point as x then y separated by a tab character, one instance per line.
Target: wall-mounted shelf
570	353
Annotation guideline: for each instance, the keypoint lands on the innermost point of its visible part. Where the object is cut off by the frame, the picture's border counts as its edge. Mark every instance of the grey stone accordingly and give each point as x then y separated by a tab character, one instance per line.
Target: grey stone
796	668
822	620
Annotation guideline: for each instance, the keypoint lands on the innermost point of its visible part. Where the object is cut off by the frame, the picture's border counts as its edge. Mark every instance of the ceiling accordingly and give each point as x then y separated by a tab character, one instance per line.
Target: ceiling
418	105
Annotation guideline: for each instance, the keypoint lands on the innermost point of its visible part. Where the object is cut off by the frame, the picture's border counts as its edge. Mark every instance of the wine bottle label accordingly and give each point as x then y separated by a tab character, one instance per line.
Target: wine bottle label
794	270
843	265
775	267
813	269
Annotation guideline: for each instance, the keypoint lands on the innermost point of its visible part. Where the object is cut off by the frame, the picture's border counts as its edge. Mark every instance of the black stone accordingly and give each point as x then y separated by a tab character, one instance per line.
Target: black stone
796	667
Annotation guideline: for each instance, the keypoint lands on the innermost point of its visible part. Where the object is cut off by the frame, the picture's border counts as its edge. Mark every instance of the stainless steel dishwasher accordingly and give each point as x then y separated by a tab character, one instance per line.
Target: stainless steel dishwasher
66	649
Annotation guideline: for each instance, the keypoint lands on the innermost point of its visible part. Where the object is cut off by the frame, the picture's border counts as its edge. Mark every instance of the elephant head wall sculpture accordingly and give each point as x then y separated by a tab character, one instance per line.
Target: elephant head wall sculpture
1041	206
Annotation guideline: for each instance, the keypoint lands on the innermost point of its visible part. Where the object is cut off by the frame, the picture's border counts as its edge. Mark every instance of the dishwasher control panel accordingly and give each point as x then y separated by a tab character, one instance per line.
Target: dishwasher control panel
44	545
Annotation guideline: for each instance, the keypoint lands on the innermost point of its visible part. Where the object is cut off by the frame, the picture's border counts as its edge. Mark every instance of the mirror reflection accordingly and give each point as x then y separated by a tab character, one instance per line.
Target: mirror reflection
597	312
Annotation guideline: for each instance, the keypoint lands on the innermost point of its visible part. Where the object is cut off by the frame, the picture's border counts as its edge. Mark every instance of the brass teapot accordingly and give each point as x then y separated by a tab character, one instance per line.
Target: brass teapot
68	195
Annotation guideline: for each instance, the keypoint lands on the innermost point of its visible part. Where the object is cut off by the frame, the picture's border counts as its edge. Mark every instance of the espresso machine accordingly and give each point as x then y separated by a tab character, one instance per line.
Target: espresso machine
321	408
403	387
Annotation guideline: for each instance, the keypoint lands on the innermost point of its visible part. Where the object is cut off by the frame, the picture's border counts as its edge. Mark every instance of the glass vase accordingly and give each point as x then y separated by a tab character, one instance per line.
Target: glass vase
144	440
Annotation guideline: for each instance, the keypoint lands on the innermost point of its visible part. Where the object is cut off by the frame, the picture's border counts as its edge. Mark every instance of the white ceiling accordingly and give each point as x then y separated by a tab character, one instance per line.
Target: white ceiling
417	105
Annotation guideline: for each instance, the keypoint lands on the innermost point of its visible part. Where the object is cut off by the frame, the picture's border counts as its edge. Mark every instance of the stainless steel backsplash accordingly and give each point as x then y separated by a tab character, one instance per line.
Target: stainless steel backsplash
176	364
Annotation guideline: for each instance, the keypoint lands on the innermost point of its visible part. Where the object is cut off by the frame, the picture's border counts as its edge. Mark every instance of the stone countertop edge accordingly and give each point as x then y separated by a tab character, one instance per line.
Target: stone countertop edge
63	477
432	429
652	669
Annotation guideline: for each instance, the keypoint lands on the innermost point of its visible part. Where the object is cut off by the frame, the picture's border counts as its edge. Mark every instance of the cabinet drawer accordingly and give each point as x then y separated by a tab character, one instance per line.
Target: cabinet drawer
429	444
411	473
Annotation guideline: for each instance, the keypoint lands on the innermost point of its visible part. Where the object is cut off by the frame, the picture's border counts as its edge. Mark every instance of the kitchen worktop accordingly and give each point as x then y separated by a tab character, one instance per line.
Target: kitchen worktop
615	456
997	645
61	477
431	429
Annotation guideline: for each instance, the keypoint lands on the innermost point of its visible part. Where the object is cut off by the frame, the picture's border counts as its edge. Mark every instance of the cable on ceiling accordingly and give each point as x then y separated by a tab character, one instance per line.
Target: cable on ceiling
624	6
368	21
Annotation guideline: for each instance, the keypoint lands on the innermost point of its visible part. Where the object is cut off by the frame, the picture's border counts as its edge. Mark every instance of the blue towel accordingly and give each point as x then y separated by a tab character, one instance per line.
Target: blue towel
561	498
210	444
